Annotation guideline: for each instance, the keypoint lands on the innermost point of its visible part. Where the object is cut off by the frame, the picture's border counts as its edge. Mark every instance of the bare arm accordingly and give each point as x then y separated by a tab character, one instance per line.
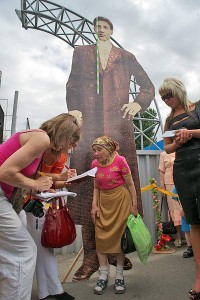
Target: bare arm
60	179
62	176
131	187
162	181
181	137
95	208
162	169
33	146
169	144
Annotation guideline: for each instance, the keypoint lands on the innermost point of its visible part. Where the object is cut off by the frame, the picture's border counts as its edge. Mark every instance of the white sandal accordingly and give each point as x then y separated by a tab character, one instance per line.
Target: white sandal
119	287
177	243
100	286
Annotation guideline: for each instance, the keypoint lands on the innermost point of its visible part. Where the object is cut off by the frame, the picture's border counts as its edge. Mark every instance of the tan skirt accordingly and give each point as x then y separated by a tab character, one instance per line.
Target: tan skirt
115	207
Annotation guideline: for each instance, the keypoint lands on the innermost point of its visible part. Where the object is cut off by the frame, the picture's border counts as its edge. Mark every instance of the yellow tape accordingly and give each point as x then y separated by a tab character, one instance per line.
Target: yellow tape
146	188
154	186
143	189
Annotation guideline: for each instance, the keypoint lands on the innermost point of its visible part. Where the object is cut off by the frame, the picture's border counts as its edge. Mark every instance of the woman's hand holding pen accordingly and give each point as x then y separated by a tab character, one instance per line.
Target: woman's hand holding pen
43	183
68	174
72	173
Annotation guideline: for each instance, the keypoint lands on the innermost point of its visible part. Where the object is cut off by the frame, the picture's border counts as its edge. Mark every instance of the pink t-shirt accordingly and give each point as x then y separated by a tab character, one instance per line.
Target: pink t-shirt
110	176
6	150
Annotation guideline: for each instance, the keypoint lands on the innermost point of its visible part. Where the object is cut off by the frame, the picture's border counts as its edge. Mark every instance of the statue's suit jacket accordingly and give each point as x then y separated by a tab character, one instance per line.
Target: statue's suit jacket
102	113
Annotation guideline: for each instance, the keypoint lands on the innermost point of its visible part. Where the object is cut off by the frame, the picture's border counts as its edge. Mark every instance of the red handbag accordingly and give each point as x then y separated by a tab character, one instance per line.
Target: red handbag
59	229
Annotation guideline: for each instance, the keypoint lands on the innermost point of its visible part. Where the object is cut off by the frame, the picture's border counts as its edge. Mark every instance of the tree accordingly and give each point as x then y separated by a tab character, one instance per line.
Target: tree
145	122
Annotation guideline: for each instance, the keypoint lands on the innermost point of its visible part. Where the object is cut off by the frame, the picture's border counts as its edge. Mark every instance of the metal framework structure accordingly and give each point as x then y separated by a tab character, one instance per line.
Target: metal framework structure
76	30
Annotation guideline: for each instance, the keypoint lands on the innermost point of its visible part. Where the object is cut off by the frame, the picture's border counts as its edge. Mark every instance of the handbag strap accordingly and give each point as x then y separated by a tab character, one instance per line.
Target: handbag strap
54	203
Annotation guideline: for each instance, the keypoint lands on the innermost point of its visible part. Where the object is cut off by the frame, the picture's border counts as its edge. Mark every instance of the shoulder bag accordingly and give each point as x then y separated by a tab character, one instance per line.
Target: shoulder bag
59	228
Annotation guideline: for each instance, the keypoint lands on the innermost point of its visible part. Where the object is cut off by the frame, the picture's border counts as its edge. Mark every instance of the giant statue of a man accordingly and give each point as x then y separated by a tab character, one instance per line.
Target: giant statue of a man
104	112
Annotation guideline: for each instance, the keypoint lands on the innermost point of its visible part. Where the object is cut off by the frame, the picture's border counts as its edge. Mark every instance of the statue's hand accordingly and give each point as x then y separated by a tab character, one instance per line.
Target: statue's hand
130	109
78	115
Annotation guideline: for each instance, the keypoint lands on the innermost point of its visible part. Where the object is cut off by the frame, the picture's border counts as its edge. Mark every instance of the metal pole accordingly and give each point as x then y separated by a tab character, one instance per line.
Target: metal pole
14	115
0	77
27	123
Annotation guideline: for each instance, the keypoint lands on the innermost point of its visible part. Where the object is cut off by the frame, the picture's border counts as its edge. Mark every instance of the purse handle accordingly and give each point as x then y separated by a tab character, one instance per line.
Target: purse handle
54	204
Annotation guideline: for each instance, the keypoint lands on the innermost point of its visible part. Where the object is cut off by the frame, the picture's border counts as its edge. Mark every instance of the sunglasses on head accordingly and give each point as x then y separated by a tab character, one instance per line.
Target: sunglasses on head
167	96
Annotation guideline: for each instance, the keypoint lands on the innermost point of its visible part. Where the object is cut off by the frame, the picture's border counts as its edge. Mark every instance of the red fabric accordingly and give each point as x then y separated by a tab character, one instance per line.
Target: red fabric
59	228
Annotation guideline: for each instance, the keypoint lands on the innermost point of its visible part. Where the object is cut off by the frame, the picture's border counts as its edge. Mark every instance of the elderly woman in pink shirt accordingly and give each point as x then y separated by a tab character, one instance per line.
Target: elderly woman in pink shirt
114	199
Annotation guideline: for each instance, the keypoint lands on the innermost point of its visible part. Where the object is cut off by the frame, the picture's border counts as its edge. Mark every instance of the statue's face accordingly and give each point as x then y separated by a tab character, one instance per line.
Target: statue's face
103	30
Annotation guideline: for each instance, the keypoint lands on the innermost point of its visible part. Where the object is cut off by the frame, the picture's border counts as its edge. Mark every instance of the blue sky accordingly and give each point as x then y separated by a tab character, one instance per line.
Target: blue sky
162	34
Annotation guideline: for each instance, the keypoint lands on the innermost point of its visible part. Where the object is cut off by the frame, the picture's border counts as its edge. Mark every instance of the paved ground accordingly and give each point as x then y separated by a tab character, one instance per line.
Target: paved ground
165	276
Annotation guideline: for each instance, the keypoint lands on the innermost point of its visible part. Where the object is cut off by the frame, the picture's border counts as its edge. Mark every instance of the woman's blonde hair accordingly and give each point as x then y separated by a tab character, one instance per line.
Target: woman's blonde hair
63	125
176	87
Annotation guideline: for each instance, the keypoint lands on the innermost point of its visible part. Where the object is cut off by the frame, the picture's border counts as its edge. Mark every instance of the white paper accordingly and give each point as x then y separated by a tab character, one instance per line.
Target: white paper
90	173
48	197
169	133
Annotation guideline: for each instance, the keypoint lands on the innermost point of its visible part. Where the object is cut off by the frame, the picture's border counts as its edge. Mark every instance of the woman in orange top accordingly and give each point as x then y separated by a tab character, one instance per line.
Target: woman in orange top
48	283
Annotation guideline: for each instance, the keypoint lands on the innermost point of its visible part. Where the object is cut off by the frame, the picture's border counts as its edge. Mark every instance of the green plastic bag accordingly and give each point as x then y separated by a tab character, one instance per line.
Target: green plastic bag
141	237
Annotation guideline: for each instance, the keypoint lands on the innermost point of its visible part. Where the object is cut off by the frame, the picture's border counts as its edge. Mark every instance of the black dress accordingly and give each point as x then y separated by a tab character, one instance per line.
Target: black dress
186	171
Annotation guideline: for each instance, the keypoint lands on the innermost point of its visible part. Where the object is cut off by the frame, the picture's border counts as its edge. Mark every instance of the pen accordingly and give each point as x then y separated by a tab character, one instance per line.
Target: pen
68	168
41	174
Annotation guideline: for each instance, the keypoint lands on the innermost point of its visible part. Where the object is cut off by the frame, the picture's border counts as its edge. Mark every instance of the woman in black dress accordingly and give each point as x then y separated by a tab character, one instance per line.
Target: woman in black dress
184	120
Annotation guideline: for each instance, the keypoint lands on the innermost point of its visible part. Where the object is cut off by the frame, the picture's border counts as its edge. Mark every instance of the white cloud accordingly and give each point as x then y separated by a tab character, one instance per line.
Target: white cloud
163	34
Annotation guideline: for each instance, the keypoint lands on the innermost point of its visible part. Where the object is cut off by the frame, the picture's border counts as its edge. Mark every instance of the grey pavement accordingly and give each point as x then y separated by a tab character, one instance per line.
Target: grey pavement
165	276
